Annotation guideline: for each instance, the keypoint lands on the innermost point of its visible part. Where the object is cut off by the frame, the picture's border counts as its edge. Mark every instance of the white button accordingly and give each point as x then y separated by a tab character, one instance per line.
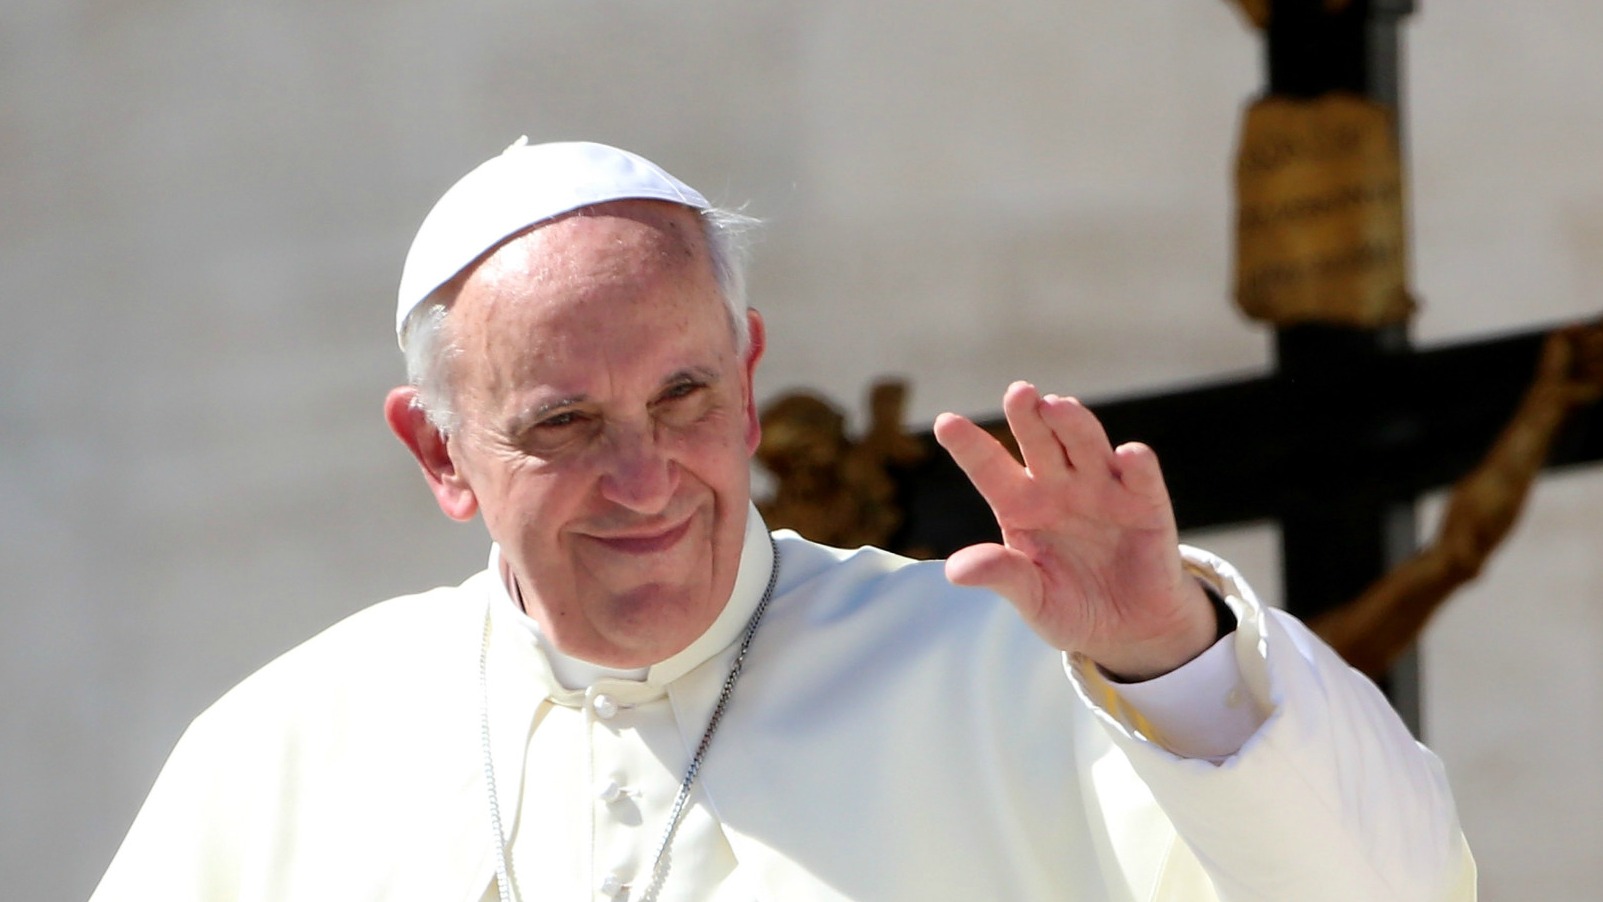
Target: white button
611	886
609	791
604	707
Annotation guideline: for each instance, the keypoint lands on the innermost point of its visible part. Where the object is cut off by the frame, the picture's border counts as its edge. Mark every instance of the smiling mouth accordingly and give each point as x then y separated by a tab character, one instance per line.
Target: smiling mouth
645	543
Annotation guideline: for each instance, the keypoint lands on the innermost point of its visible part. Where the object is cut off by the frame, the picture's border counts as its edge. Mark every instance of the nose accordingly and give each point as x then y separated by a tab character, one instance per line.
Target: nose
638	473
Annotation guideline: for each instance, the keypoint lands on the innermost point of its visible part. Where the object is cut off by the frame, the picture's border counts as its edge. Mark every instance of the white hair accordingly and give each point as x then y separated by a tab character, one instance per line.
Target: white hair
430	352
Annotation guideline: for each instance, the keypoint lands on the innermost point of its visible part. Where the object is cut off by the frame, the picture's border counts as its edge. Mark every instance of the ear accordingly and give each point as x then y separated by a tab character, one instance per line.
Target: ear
754	353
432	450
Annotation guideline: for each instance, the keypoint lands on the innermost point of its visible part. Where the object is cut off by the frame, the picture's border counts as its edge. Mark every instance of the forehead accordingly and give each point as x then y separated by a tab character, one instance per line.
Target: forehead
616	246
608	244
621	239
621	277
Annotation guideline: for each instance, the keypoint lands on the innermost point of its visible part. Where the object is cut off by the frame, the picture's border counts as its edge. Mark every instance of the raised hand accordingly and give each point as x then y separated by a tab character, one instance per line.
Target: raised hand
1089	551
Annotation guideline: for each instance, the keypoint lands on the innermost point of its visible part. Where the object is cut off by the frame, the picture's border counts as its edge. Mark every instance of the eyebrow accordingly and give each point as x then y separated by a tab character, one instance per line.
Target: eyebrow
692	374
531	415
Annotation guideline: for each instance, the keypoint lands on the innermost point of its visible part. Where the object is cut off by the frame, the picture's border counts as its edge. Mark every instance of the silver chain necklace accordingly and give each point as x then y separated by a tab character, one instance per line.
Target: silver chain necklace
661	861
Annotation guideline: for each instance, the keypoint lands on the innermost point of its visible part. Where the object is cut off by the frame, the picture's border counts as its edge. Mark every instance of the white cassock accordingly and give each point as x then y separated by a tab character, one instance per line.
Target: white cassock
893	737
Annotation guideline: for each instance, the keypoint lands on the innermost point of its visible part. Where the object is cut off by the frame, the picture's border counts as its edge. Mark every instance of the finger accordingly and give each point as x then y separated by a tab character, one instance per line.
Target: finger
981	457
1005	571
1079	431
1136	467
1043	454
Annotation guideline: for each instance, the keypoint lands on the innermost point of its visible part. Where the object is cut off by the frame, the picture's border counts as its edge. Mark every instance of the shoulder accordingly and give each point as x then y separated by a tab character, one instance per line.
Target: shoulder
878	604
839	582
411	647
294	770
865	645
808	565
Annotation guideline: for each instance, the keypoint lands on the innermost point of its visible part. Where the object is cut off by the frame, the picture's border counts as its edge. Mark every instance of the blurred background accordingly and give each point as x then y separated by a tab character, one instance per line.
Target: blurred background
204	208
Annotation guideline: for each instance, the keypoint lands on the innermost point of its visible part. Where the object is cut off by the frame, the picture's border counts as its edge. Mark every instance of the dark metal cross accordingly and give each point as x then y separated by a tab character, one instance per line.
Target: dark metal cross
1349	429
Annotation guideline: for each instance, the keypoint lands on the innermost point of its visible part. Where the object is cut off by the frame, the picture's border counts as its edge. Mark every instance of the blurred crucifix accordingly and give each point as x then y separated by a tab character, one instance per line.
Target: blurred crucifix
1337	443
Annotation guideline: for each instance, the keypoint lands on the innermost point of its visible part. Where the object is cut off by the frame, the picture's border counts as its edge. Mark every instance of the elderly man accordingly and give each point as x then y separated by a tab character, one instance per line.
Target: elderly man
646	695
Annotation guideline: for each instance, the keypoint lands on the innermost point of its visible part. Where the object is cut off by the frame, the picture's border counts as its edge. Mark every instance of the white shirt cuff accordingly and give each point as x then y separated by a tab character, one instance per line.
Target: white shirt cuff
1200	710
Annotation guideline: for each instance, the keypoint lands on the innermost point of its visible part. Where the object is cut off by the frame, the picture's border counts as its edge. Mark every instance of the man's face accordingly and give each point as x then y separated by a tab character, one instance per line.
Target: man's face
606	421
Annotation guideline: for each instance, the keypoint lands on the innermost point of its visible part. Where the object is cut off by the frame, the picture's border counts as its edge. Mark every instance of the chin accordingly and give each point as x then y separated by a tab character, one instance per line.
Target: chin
657	623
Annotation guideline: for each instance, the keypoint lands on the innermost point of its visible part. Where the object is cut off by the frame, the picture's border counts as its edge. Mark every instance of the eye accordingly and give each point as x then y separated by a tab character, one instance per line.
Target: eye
681	390
559	420
559	430
683	401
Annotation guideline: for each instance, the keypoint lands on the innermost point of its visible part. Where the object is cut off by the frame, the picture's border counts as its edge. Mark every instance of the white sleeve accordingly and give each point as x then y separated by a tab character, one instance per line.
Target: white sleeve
1201	710
1329	797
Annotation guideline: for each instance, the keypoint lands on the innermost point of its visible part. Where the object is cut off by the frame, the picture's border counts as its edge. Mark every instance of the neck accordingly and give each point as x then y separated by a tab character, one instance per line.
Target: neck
571	672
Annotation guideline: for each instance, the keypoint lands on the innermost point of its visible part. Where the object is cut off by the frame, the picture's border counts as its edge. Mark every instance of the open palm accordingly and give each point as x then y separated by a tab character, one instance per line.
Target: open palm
1089	551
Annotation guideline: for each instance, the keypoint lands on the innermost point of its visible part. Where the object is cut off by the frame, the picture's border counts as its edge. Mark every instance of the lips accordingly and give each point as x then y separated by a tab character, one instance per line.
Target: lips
645	542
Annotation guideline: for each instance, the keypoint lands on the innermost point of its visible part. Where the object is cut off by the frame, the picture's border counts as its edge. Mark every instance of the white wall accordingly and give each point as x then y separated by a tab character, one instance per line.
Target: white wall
205	207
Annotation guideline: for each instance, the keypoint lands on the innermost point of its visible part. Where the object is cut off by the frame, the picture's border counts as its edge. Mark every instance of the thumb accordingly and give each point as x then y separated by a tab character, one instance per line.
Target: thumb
1006	571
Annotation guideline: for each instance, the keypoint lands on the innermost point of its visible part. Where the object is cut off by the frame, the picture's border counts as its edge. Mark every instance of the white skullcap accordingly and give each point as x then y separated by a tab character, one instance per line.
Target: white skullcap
526	184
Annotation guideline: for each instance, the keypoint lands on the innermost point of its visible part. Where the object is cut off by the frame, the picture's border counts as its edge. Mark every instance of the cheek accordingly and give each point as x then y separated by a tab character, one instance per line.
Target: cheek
551	496
724	465
717	439
534	504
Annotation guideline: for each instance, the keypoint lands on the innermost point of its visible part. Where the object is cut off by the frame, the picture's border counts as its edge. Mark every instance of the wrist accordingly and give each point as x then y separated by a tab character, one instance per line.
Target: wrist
1170	654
